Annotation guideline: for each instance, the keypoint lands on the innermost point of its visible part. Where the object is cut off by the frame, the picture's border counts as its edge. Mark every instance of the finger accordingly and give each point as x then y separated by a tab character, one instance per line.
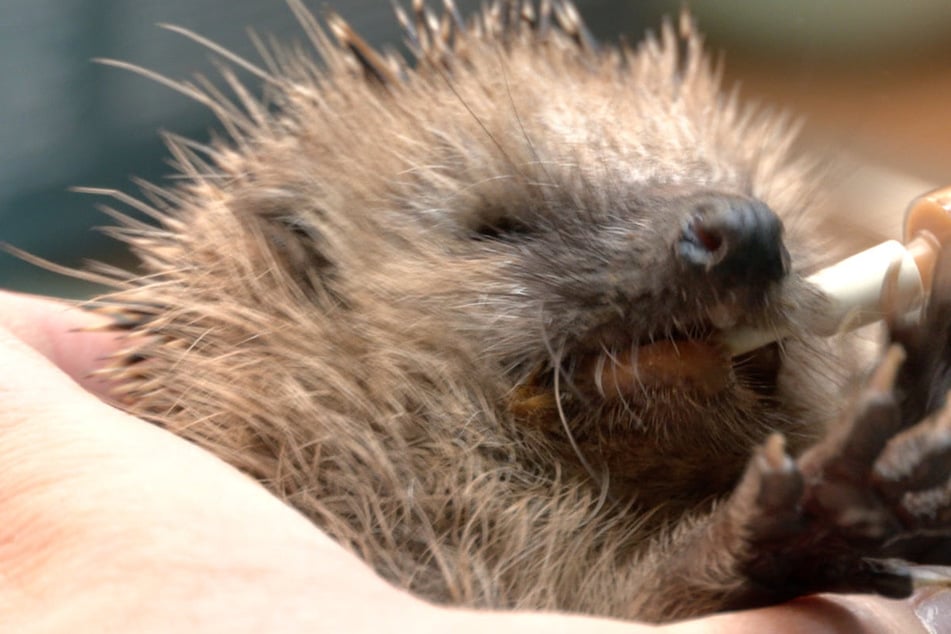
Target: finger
110	524
95	503
62	333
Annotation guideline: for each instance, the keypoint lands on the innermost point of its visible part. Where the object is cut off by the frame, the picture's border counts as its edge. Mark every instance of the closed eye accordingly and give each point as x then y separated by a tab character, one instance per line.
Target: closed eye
502	229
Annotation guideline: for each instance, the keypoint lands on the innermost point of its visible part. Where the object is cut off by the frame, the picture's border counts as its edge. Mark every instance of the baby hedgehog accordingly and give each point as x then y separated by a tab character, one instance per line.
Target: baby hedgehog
462	312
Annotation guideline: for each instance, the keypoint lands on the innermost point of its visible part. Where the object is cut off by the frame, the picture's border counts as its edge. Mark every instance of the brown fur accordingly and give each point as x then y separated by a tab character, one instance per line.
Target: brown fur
375	299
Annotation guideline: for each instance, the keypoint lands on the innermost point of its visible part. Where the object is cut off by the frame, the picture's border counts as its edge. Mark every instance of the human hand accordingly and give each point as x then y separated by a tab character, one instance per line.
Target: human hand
108	523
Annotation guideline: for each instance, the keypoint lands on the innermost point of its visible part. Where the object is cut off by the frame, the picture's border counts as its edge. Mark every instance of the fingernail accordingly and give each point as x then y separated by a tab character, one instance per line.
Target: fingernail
933	608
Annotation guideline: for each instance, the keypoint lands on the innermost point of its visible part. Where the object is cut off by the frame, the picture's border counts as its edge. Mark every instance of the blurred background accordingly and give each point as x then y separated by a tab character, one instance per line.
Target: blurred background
872	79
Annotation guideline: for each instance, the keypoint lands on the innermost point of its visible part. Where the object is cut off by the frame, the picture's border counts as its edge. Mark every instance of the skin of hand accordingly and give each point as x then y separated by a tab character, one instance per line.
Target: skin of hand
108	523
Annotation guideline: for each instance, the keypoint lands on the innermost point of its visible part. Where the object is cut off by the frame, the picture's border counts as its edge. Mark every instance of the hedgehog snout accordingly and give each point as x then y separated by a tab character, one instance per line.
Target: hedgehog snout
736	241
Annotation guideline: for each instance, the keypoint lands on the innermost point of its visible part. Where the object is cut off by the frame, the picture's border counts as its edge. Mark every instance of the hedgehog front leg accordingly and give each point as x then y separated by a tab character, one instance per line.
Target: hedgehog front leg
850	516
835	519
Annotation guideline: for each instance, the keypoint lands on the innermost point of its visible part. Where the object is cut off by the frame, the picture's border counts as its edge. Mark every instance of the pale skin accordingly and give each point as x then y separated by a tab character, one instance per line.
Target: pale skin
108	523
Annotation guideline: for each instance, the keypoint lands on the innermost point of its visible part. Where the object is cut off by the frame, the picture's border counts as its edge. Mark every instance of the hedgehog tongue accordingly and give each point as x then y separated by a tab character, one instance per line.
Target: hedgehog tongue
692	365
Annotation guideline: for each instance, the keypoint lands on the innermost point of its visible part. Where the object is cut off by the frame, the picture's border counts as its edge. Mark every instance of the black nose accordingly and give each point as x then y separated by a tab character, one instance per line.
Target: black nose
738	240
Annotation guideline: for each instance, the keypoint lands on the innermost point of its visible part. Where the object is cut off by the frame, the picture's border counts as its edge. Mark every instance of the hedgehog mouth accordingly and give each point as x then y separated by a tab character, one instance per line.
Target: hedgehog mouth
689	360
682	363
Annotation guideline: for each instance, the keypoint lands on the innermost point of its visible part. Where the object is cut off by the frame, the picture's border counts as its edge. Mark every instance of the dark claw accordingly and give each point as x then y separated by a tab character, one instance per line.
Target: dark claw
774	486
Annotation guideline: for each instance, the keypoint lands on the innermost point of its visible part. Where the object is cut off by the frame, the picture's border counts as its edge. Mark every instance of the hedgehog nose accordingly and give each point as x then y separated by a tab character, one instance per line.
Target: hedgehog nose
737	240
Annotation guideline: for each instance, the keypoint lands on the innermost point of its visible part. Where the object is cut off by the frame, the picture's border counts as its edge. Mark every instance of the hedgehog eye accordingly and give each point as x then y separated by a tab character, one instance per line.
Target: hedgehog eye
502	229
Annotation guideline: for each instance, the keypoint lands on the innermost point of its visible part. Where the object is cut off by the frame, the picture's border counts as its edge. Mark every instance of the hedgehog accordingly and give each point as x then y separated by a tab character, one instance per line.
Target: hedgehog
460	310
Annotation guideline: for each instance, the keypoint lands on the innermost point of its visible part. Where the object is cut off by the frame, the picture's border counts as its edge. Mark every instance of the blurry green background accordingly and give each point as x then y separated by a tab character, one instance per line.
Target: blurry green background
873	77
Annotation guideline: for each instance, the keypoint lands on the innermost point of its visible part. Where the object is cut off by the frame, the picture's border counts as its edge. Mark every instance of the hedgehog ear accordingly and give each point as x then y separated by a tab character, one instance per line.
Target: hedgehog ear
299	250
293	244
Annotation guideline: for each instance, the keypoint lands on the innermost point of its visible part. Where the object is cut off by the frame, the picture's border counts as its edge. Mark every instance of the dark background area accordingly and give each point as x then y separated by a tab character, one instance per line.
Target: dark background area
873	79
